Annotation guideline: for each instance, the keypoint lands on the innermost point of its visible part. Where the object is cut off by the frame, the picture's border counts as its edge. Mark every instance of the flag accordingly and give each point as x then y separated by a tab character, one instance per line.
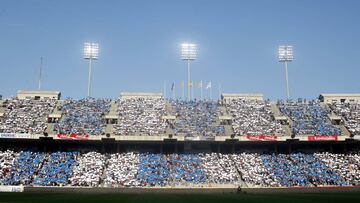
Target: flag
208	85
172	86
182	84
200	85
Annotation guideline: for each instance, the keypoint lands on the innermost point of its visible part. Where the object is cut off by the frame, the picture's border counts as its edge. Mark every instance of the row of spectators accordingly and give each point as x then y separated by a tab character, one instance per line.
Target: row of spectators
308	117
85	116
25	115
144	170
253	117
140	116
196	118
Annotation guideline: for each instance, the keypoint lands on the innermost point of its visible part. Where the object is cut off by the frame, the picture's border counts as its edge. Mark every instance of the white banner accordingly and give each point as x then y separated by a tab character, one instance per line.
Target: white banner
12	188
15	136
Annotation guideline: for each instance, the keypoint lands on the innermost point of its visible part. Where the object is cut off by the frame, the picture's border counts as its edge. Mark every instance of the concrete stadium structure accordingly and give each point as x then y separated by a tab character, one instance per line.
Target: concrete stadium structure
171	142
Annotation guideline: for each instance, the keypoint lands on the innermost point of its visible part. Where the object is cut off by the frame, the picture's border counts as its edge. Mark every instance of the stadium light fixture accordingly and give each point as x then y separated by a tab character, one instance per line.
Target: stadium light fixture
91	52
188	53
285	56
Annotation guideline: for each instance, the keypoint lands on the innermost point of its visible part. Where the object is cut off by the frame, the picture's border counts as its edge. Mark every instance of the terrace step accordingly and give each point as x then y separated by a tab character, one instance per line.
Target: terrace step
344	131
50	128
275	110
228	130
109	129
287	130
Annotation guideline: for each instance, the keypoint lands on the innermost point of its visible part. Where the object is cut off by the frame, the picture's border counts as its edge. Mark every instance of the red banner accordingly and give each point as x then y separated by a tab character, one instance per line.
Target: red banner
73	136
261	138
322	138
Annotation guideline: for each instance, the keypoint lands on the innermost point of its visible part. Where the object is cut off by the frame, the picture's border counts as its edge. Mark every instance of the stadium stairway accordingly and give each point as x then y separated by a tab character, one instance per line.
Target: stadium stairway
344	131
2	109
109	129
275	110
57	110
287	130
277	113
223	112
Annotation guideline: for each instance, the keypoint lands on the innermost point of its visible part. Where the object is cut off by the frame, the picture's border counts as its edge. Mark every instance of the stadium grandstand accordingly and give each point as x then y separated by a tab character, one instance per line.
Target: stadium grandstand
143	140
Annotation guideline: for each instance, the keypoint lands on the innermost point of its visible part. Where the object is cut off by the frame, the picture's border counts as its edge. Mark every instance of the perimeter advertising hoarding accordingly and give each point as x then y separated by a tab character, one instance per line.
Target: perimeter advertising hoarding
261	138
73	136
15	135
322	138
8	188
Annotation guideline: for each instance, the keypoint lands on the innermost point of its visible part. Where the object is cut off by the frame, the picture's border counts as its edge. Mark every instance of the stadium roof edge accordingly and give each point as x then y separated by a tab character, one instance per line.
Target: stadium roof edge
22	94
141	94
256	96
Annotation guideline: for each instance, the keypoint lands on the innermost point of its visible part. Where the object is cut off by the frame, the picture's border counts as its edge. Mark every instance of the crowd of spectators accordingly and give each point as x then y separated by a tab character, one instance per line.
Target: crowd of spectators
26	115
345	165
7	159
351	114
88	170
253	117
219	168
186	169
253	171
121	170
196	118
24	168
308	117
85	116
140	116
153	170
94	169
57	169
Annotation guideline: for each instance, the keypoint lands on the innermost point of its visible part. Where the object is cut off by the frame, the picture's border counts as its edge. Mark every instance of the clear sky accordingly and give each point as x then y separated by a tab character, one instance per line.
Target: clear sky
140	41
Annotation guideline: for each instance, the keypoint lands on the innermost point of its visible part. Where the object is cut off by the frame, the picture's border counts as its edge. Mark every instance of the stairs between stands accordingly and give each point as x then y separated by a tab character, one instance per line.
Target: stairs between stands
223	112
275	110
287	130
344	131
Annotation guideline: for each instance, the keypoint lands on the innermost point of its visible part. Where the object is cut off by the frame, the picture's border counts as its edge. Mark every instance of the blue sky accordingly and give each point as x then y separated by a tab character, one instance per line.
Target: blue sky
140	42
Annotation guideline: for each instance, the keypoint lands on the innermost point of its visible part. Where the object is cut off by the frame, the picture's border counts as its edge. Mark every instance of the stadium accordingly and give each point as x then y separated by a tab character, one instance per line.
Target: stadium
142	142
179	101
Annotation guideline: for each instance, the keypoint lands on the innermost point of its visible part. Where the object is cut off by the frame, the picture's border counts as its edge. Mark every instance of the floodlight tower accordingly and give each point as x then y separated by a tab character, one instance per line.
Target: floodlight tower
91	52
285	56
188	53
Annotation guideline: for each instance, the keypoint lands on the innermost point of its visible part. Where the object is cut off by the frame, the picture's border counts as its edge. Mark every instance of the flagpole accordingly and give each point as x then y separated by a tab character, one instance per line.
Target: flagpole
201	90
189	81
183	89
164	88
219	90
173	91
192	90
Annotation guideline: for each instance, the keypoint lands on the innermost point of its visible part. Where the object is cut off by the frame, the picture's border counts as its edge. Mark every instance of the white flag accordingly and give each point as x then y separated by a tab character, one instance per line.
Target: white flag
208	85
200	84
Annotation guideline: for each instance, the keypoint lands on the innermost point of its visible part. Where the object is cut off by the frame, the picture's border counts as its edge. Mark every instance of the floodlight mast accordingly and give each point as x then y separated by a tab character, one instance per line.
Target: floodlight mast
188	53
285	56
91	52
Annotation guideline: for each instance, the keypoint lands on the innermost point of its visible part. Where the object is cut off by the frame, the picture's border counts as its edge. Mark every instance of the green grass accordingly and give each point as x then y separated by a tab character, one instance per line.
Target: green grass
174	198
